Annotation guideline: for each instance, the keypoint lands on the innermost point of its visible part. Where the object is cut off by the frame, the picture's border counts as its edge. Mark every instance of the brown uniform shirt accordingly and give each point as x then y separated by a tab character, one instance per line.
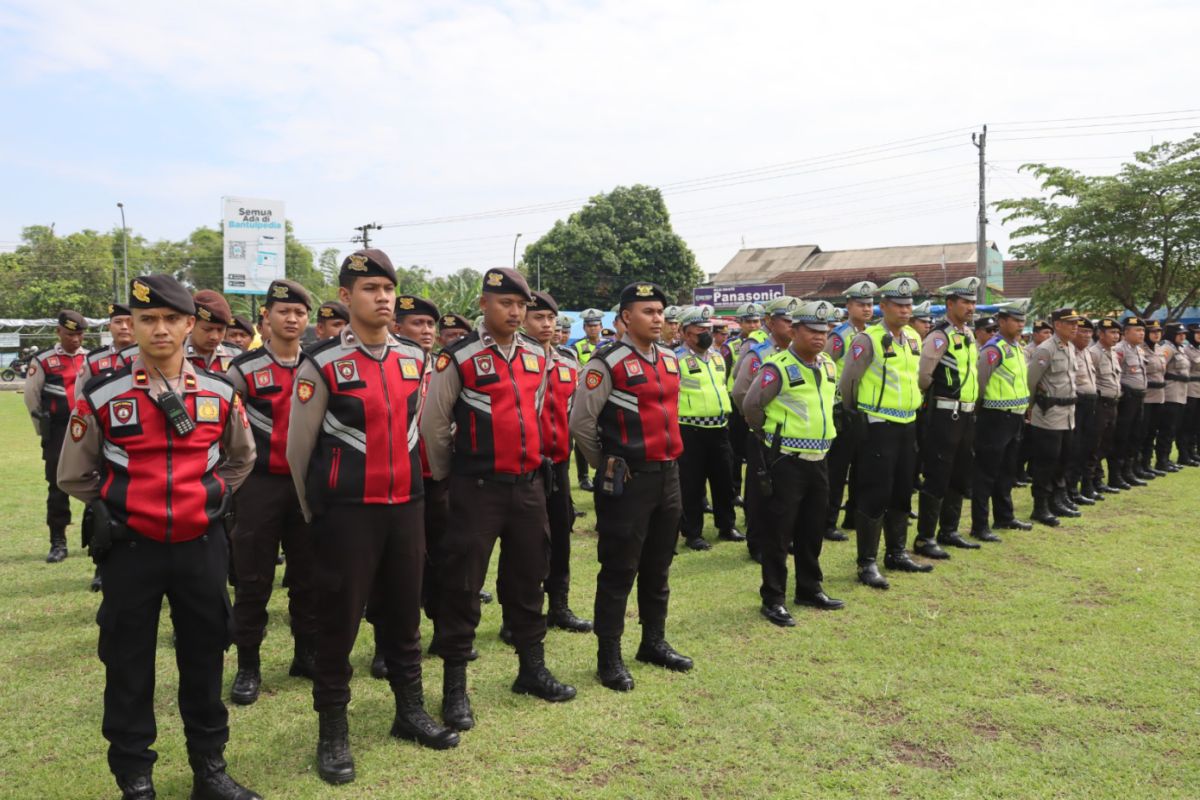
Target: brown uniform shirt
1177	366
1052	374
1108	370
1085	373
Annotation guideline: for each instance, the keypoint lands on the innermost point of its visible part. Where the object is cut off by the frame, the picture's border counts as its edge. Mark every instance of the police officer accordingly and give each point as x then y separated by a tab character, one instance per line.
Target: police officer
205	347
240	332
593	320
749	317
139	452
268	508
791	406
1042	330
1188	440
704	409
671	334
490	386
50	398
563	336
1004	389
778	335
541	324
1133	394
948	372
1155	353
625	419
109	358
880	381
1178	378
332	316
860	306
451	328
985	328
1084	437
1108	394
922	319
352	450
1052	389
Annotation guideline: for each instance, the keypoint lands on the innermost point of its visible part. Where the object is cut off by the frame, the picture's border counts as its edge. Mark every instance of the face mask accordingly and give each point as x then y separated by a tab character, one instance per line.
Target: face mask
704	341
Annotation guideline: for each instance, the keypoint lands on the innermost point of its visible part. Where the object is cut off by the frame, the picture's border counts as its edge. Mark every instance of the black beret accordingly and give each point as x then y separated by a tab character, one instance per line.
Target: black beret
542	301
160	291
1042	325
71	320
1194	327
282	290
242	324
641	292
1173	329
408	305
333	310
212	307
1134	322
362	263
1108	324
451	322
118	310
502	280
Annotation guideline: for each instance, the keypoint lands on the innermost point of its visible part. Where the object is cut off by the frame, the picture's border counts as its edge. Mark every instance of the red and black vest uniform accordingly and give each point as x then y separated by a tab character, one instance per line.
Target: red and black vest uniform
556	408
498	430
220	360
367	450
61	370
104	360
640	418
268	404
426	472
167	492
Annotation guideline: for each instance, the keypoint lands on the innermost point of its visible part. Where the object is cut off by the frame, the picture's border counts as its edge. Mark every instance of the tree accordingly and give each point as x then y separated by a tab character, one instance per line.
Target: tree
47	273
615	239
457	292
1124	241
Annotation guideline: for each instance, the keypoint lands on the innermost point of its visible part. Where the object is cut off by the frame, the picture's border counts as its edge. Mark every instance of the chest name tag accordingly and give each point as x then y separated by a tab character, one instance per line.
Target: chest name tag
693	364
564	375
408	369
671	365
530	362
795	378
208	409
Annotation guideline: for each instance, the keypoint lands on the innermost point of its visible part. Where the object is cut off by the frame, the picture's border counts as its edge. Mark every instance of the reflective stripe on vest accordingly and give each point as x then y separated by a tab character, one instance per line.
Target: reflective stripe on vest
268	406
955	374
703	396
640	419
1008	387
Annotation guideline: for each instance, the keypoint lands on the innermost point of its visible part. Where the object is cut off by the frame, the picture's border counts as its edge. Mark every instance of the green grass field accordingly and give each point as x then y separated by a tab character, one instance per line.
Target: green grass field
1061	663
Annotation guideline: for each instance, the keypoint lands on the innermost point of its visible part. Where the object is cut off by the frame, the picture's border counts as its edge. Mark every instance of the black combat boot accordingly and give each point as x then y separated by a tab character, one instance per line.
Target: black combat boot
1077	497
834	534
304	659
248	680
334	762
655	650
1128	473
1116	477
456	704
610	667
535	679
379	666
58	546
948	523
211	782
867	532
1042	513
435	649
97	581
895	556
414	723
136	786
1141	468
1061	507
561	616
929	511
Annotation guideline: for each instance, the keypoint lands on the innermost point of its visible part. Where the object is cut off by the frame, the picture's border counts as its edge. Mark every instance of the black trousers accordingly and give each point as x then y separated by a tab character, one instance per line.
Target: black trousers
997	456
738	431
269	515
1167	427
1083	438
947	452
637	533
581	465
482	512
841	471
365	551
1106	427
794	516
1189	426
137	576
437	513
706	462
1151	421
1129	419
752	499
58	502
888	451
560	512
1048	461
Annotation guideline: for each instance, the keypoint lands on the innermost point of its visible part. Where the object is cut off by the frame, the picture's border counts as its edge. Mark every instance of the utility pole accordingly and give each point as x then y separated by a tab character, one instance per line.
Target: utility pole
124	251
516	239
364	233
980	142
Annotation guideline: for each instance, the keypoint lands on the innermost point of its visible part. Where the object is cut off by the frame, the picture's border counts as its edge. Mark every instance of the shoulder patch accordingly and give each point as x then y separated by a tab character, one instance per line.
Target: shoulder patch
593	379
856	351
769	376
78	428
993	355
443	361
305	389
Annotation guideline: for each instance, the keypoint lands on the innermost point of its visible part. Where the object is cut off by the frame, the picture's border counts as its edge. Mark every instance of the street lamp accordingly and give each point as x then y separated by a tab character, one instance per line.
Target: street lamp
124	250
515	250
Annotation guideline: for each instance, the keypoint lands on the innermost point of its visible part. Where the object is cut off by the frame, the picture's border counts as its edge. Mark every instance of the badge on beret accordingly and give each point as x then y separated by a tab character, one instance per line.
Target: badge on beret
530	362
495	278
326	312
406	303
111	309
123	412
633	367
447	321
993	356
345	370
443	361
593	379
280	291
305	389
645	290
768	377
203	313
208	409
358	263
78	428
70	325
263	378
141	292
671	364
856	351
564	374
408	369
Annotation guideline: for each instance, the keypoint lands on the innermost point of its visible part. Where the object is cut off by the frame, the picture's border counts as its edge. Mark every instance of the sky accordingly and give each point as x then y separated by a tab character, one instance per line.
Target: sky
458	125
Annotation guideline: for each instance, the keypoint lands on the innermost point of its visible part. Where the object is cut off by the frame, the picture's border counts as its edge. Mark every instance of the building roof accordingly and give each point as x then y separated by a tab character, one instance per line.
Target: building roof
761	265
828	284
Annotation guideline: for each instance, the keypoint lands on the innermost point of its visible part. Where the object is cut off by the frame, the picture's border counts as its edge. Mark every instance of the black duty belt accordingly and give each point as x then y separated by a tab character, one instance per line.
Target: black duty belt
1180	378
1051	402
505	477
1158	384
1129	390
1109	401
650	466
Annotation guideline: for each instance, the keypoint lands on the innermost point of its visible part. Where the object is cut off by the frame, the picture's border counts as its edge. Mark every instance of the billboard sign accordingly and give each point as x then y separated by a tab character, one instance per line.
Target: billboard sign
727	297
254	244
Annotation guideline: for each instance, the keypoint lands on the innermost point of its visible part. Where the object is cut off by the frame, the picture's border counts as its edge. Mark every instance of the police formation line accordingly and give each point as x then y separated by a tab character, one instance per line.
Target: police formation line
388	459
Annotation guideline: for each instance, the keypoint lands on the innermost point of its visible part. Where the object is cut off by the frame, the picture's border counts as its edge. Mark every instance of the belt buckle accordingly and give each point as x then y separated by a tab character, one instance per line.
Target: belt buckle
954	413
